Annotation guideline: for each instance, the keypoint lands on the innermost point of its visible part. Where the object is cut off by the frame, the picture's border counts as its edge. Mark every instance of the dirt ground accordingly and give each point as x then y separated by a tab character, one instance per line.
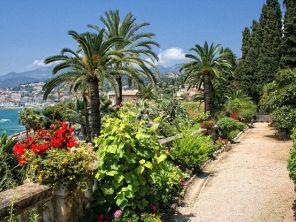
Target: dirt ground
250	183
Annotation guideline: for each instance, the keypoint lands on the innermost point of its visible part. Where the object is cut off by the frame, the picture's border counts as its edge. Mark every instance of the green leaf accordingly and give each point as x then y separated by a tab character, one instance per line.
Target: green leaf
140	169
149	165
161	158
112	173
142	161
112	149
108	191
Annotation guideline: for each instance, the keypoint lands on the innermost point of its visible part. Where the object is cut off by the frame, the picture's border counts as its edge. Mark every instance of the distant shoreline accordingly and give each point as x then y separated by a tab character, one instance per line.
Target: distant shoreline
1	108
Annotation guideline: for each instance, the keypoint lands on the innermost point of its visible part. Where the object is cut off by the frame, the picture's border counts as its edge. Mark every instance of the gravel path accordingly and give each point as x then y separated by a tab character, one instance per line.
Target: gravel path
249	184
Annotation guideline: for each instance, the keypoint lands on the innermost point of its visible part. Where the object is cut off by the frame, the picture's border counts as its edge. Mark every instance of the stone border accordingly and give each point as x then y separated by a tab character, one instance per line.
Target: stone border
24	197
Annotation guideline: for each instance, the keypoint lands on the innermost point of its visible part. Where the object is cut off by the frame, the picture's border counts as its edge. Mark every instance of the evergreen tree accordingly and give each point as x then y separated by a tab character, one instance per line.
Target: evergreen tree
245	42
261	51
269	54
245	47
249	66
288	59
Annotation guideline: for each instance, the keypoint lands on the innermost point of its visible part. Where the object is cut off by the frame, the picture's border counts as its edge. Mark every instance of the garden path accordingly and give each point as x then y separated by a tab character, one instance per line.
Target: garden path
250	183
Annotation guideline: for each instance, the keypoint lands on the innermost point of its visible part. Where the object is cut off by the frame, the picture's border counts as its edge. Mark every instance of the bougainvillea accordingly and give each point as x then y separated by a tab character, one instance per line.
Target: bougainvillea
59	135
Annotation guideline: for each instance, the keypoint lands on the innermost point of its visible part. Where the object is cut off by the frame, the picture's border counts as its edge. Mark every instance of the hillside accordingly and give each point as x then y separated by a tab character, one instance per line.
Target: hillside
14	79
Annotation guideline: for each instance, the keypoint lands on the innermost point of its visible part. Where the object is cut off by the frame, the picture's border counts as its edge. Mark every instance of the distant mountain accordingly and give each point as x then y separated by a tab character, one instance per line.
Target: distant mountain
14	79
175	69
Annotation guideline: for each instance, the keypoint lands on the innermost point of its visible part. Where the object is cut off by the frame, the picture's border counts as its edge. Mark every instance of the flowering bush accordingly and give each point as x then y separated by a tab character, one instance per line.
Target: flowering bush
55	158
61	168
60	135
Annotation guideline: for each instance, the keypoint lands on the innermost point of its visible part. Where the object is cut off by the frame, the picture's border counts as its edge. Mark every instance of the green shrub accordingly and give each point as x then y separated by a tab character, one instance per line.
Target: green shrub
284	119
279	99
167	181
128	216
191	151
128	154
245	108
292	158
233	134
227	127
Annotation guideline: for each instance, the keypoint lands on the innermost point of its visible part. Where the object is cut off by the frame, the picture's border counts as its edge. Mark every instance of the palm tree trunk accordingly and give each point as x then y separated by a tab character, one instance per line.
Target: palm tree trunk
86	116
208	94
84	132
119	97
94	96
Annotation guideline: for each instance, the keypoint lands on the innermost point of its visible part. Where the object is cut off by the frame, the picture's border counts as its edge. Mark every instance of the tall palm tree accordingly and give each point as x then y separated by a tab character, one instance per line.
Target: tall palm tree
207	63
134	44
93	61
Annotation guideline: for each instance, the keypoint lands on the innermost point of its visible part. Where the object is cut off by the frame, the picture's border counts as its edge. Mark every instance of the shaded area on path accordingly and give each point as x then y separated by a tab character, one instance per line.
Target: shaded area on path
250	183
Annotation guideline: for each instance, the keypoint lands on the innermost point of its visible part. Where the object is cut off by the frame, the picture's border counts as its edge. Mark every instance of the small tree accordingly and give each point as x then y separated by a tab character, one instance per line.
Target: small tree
208	62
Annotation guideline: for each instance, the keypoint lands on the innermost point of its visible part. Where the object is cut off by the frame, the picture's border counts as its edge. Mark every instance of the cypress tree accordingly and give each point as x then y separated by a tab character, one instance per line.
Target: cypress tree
288	59
245	42
245	47
249	66
270	51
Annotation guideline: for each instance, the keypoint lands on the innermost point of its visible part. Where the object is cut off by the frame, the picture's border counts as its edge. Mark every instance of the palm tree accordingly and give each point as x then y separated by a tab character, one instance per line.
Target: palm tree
134	45
91	64
207	63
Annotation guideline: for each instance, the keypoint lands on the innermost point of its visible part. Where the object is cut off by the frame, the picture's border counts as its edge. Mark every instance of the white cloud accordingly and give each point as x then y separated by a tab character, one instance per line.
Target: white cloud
171	56
39	63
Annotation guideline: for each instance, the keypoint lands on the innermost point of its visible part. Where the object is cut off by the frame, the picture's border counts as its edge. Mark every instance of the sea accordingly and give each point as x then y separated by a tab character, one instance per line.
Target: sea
9	121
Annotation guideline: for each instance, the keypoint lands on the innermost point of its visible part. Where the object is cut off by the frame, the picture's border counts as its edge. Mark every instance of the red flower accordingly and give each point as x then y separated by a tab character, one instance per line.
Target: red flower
71	142
60	132
56	142
40	148
35	148
19	149
71	130
30	140
234	115
41	133
65	125
103	218
43	147
22	160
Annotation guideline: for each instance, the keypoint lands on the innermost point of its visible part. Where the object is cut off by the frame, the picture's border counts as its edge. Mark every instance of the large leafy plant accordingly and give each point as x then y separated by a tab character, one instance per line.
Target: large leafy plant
168	182
128	154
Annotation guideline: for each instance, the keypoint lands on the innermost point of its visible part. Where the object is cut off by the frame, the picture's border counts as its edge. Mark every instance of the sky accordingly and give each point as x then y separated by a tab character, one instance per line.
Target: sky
31	30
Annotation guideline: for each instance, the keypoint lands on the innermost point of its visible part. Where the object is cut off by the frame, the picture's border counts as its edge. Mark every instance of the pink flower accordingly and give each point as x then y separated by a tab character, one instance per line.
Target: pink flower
117	213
